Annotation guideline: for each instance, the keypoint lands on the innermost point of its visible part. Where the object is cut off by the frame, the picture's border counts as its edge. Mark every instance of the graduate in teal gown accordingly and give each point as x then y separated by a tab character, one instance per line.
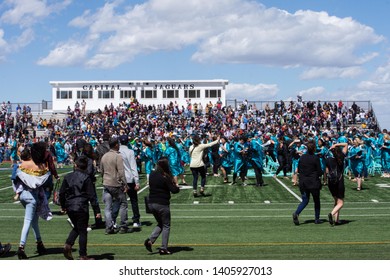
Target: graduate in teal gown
224	152
239	163
385	155
173	154
61	155
356	156
148	158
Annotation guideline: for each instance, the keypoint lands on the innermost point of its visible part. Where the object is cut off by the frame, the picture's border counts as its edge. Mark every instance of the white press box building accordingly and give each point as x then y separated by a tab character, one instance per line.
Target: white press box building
97	94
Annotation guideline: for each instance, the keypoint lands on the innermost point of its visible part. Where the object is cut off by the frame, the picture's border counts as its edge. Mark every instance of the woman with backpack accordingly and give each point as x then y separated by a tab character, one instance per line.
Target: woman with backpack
335	172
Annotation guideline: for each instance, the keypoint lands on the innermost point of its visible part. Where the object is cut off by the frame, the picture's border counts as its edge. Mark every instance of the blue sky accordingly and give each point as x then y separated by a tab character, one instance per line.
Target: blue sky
268	50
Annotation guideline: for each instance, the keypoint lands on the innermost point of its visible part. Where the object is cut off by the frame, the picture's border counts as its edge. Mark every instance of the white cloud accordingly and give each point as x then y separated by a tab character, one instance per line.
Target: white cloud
3	43
65	54
27	12
275	37
226	31
314	93
331	73
251	92
378	86
15	43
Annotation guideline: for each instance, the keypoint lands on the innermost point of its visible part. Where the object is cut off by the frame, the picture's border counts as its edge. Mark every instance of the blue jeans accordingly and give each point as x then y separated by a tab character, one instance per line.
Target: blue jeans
29	202
115	201
305	201
196	171
162	214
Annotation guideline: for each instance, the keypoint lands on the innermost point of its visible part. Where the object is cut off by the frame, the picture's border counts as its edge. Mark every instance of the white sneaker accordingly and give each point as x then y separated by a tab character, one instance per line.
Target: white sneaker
70	222
136	225
89	228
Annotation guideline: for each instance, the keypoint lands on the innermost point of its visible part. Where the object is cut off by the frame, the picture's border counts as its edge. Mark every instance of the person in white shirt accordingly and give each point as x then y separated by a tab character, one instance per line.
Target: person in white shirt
197	165
132	178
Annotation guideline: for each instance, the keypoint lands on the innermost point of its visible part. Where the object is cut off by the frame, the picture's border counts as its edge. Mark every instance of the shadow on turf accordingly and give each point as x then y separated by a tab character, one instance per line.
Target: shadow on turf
254	184
58	213
106	256
340	223
147	223
60	251
362	189
50	251
176	249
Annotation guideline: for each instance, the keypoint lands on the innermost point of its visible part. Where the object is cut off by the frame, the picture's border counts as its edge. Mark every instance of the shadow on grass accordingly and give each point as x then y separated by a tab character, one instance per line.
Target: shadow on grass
175	249
147	223
364	188
340	223
203	195
60	251
106	256
58	213
50	251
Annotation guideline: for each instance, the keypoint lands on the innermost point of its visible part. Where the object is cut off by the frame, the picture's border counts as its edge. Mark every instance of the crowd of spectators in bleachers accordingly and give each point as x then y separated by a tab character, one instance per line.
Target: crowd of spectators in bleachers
283	118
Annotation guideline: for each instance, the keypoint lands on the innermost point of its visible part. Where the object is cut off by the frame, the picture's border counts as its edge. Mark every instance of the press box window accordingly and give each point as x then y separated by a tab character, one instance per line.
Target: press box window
213	93
170	94
192	93
149	94
64	94
84	94
127	94
106	94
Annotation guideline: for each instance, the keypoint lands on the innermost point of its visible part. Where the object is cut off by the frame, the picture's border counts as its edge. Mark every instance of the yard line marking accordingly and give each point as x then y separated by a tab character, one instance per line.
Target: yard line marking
288	189
140	191
244	244
144	188
225	217
227	207
6	188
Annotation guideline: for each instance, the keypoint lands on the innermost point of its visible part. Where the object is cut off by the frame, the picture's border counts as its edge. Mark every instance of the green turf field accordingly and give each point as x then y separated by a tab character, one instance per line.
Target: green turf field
230	222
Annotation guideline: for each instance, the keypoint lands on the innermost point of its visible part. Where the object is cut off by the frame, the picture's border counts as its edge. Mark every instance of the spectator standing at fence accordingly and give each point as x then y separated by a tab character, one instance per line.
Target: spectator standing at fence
83	106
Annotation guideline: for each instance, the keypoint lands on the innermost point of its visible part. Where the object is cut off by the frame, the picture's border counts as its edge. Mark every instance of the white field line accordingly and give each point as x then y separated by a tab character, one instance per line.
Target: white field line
226	217
6	188
288	189
233	209
186	187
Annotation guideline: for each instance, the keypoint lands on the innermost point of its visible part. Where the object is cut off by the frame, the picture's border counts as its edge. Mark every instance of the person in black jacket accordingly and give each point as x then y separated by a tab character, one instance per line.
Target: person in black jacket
76	192
161	185
282	151
310	172
87	150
